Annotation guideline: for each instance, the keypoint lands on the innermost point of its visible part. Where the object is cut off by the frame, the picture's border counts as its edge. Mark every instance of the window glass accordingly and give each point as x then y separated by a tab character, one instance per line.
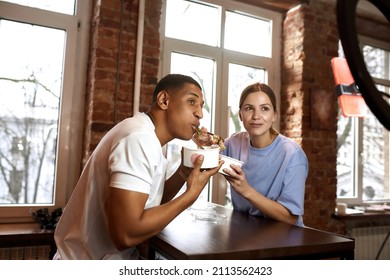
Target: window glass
202	70
345	157
375	159
248	34
43	65
224	70
62	6
194	22
363	156
240	76
377	62
30	82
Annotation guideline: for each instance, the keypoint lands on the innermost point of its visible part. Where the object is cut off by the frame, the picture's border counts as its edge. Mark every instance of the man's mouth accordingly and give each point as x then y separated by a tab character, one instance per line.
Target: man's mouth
195	128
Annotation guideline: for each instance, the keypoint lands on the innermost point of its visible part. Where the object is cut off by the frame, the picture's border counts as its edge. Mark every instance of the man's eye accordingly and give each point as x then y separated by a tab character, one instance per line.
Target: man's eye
191	101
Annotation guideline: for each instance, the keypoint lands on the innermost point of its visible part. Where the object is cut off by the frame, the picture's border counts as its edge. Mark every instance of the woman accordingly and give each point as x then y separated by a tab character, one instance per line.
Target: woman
271	182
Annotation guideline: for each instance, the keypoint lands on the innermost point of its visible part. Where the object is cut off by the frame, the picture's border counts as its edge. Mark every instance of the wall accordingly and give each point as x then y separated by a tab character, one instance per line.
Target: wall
308	107
111	69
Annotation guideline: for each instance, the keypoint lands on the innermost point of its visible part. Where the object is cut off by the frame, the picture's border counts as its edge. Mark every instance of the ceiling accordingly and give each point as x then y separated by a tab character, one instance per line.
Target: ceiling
369	21
363	6
278	5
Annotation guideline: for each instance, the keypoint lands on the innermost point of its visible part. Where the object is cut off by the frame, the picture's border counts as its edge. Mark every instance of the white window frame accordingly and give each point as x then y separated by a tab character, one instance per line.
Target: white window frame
69	144
358	136
223	57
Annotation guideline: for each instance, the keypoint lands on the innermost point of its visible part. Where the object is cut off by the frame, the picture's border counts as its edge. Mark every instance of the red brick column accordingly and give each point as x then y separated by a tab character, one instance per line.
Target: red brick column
309	106
111	69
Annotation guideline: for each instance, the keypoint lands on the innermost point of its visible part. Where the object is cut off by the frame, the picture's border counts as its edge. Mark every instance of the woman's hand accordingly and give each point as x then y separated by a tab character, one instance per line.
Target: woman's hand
270	208
236	177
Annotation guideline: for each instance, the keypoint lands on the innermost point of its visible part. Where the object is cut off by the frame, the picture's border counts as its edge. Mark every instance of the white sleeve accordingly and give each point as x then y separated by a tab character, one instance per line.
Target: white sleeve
132	162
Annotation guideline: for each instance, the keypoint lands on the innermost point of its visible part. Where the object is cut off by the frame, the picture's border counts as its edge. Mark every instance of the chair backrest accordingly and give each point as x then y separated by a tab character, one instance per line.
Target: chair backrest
351	101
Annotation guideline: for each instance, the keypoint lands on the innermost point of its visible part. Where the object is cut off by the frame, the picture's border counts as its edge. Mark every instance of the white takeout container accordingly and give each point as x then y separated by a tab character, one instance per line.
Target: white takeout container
227	162
211	156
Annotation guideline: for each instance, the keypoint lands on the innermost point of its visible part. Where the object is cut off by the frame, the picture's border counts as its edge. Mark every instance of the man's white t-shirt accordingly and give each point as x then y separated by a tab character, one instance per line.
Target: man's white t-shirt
129	157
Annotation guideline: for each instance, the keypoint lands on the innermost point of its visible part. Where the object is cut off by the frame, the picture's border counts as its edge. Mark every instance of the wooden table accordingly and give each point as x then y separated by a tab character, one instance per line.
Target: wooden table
243	236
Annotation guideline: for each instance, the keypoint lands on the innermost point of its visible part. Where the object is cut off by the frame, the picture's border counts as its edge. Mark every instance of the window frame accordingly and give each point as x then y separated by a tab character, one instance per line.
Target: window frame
223	57
69	138
357	125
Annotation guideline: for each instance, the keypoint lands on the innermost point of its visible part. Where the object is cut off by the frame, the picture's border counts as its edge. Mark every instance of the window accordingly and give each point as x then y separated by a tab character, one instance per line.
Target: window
42	45
363	158
225	46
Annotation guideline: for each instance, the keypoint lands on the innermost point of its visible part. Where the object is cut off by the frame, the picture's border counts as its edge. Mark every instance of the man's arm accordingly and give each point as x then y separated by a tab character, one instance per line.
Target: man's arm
175	183
130	224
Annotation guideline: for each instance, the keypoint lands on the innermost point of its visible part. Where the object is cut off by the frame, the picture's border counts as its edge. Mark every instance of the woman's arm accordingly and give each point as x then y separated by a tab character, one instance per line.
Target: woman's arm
268	207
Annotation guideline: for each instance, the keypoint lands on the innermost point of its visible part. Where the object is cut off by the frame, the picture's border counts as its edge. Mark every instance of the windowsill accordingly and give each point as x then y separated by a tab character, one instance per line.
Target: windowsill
26	234
364	219
20	228
368	211
363	215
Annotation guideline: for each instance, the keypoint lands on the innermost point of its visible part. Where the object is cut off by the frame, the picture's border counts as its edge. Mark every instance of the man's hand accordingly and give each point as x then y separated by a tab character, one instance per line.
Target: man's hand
199	178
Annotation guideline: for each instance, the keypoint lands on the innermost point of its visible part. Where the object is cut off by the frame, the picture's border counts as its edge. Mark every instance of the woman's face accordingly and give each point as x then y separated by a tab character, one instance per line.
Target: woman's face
257	113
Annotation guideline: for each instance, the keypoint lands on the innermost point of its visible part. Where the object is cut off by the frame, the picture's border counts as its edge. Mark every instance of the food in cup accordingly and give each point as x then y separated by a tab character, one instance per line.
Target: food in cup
207	144
227	162
203	138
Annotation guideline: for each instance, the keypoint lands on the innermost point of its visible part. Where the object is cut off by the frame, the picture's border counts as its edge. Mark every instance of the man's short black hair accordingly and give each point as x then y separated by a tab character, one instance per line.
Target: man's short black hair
173	81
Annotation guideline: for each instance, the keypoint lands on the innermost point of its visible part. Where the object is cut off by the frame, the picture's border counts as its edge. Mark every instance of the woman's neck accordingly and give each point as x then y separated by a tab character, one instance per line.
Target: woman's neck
263	141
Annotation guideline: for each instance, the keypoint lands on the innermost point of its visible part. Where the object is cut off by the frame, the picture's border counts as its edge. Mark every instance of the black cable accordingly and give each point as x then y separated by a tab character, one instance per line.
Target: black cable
346	10
383	245
385	94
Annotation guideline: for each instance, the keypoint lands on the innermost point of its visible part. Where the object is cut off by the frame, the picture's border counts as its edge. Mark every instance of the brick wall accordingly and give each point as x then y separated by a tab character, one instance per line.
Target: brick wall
111	69
308	107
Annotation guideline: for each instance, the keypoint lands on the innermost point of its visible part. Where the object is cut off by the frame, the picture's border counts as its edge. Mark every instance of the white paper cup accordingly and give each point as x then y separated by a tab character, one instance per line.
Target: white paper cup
211	156
227	162
342	208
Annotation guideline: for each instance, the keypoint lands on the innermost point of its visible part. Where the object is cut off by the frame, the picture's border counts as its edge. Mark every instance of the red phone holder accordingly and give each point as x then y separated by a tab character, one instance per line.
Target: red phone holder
351	101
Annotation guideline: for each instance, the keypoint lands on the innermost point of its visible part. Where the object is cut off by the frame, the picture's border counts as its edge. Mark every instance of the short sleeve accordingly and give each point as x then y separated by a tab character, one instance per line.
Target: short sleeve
133	161
293	194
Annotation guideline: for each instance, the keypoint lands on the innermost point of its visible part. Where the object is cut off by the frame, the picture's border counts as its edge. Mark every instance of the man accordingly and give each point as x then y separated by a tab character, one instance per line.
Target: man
122	197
